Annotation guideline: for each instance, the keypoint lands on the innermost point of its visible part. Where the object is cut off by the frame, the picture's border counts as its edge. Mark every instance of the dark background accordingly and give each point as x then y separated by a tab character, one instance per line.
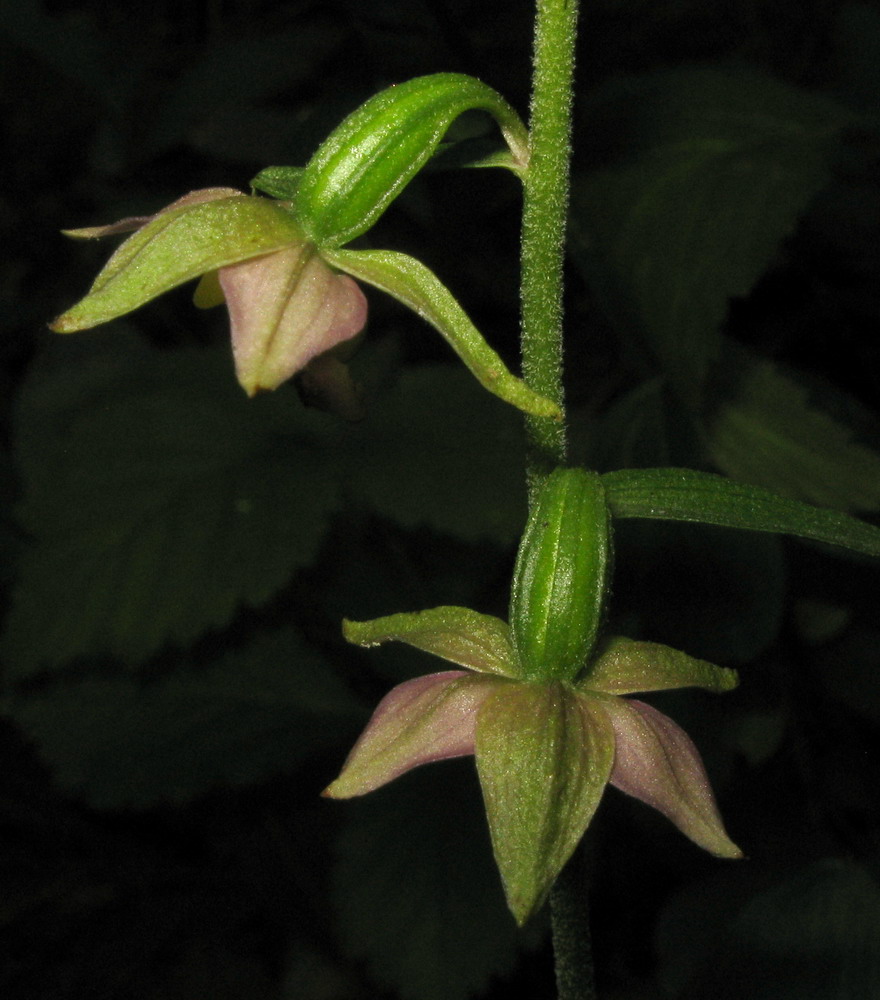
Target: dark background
176	560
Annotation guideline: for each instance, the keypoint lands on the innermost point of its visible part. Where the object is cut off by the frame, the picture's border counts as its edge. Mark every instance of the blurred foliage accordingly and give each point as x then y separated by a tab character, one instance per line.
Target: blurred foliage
176	559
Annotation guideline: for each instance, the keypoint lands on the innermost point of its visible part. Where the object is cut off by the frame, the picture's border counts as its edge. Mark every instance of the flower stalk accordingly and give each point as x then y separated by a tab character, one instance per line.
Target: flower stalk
545	209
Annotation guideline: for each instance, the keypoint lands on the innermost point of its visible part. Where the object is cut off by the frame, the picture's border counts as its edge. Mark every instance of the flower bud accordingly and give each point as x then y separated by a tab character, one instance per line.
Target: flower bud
560	577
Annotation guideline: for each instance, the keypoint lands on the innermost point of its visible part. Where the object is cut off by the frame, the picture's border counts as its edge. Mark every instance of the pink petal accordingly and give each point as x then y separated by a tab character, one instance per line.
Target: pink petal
286	308
656	761
137	221
426	719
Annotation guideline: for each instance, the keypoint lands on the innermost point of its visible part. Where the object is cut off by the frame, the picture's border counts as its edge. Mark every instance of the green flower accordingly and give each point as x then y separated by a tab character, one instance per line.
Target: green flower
545	750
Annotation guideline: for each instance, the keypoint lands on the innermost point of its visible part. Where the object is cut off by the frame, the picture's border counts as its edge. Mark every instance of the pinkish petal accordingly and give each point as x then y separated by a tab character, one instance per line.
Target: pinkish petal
136	221
656	761
286	308
426	719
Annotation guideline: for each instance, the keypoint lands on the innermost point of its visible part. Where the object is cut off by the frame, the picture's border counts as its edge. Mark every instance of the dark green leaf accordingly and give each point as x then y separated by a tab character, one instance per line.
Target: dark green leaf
717	593
416	891
255	713
706	171
236	72
688	495
158	499
437	450
767	432
813	936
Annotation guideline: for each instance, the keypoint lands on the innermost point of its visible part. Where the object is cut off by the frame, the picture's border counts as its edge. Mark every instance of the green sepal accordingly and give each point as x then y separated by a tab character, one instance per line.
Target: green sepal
278	182
544	755
560	578
688	495
418	288
625	666
372	155
479	642
176	247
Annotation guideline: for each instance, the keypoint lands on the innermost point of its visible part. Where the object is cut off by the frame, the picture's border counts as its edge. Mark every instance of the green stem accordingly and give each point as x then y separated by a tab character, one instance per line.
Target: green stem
545	207
545	211
569	915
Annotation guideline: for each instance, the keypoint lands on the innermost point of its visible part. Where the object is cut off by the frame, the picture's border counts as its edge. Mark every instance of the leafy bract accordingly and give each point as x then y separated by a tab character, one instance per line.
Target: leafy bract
707	170
157	502
254	713
688	495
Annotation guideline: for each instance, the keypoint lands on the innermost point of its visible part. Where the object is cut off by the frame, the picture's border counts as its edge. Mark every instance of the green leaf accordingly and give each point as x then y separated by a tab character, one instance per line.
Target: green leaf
687	495
252	714
767	432
847	670
479	642
374	153
436	450
544	756
415	891
706	171
625	666
418	288
158	501
812	936
178	246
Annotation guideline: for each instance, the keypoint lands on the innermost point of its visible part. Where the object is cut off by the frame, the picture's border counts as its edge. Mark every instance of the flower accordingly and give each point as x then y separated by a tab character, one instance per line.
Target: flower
286	304
291	300
544	750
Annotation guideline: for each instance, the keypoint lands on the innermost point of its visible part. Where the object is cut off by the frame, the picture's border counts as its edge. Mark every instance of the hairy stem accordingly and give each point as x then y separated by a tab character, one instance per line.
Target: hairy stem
545	207
545	211
569	913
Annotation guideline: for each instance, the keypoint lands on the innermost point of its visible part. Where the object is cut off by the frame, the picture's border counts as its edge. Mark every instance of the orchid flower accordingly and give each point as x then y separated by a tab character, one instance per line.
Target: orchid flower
286	305
282	265
545	751
542	702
